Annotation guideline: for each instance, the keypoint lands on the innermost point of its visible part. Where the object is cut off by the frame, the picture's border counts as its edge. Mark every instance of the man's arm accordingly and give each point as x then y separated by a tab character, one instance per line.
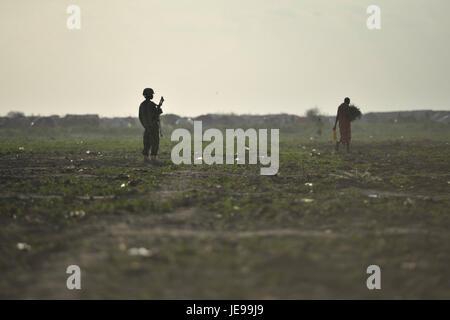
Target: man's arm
154	112
335	122
141	115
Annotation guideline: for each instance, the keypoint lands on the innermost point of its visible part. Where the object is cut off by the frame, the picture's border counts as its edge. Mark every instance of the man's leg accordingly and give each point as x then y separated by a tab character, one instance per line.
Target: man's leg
337	146
348	146
154	143
146	139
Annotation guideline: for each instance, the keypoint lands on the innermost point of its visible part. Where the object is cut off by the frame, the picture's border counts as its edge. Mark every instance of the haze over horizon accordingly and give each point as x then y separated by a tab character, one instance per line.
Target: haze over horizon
216	56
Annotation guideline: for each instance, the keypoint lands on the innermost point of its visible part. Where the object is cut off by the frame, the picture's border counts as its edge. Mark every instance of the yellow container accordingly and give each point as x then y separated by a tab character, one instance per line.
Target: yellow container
334	135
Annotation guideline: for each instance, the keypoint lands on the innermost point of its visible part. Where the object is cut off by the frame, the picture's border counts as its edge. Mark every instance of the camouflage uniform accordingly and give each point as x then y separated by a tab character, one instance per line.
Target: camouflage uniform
149	116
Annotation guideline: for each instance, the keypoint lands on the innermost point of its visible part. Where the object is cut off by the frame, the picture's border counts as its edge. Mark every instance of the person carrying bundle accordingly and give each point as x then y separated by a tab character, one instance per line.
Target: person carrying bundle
344	125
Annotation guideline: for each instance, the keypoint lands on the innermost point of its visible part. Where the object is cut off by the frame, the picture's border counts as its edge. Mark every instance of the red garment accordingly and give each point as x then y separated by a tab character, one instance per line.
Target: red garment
344	124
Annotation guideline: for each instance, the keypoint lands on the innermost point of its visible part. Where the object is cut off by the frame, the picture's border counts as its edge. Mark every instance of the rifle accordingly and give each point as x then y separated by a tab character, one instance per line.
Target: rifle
159	121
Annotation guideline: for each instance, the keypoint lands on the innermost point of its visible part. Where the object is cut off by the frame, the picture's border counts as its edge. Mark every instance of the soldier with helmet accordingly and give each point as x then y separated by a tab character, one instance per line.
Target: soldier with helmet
149	113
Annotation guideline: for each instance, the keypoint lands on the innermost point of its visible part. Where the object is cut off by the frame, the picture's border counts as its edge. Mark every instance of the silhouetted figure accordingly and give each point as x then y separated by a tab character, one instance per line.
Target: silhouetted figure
344	125
319	125
149	116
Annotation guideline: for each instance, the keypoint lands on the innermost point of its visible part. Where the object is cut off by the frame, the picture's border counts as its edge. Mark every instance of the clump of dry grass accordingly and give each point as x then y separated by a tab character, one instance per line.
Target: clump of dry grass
353	112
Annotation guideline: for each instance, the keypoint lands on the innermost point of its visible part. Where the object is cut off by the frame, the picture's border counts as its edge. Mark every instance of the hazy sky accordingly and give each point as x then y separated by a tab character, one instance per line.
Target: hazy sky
206	56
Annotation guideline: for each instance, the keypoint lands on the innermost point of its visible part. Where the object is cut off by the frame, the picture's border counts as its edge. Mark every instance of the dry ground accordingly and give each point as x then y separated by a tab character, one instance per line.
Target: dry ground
225	231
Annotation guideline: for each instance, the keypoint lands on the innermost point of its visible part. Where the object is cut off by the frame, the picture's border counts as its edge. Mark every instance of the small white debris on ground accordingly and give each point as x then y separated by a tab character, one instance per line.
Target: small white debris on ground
22	246
140	252
77	213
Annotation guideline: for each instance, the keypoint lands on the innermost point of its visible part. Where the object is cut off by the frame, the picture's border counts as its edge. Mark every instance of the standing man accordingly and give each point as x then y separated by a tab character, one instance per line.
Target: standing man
344	125
149	116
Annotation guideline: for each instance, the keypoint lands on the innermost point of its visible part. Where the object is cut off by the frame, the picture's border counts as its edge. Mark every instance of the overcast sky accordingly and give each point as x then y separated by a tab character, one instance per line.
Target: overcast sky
209	56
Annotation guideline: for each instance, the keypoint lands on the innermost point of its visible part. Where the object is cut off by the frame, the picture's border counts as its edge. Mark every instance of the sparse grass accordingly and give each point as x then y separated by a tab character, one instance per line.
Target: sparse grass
226	231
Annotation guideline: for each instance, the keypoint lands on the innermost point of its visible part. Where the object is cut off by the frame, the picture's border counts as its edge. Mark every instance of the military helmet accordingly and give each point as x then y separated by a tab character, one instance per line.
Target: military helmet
148	91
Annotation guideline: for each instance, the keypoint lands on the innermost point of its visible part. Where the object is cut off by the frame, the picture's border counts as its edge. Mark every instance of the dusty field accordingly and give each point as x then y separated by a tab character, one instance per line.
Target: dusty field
225	231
